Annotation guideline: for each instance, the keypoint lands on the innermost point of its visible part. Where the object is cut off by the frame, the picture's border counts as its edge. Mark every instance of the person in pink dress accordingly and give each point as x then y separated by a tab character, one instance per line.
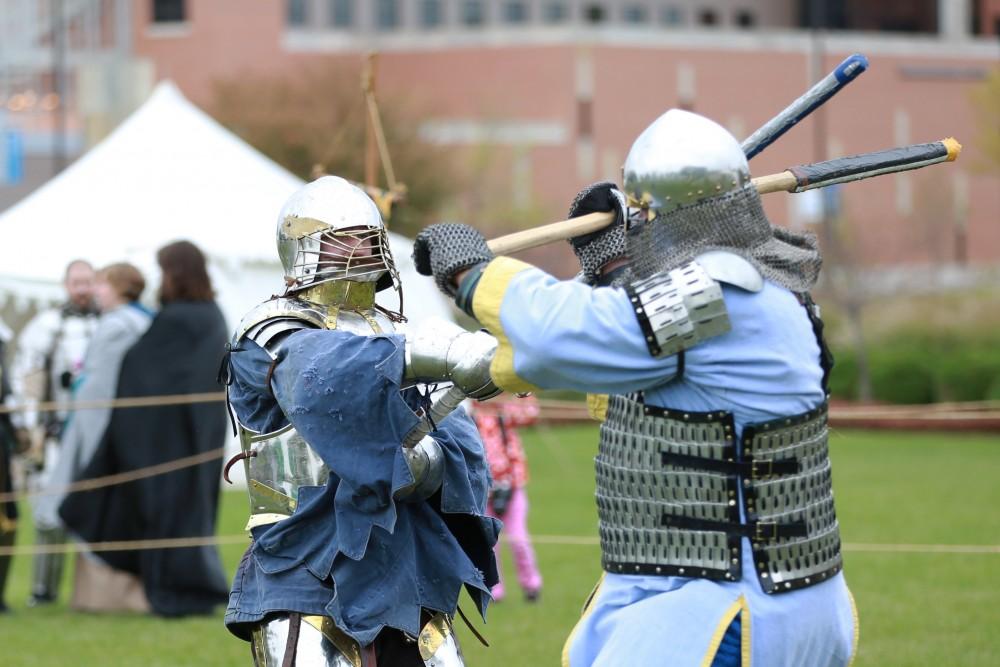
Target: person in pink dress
498	421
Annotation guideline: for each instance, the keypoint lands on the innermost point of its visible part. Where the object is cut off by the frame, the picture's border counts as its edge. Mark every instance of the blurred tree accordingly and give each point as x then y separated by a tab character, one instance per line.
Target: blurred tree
986	100
319	117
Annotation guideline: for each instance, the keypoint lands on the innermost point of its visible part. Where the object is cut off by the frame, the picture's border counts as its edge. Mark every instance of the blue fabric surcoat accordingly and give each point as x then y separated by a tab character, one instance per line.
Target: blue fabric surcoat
350	551
567	335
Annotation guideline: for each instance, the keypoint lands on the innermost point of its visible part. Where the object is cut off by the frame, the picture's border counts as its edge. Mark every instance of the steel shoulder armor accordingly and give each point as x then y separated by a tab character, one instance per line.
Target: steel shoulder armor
671	486
677	309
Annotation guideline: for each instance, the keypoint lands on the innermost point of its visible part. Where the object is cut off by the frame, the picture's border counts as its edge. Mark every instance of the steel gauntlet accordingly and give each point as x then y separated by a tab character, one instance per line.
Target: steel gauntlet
440	351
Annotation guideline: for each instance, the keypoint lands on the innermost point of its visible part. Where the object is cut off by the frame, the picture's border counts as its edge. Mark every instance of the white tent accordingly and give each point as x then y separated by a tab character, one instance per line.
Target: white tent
168	172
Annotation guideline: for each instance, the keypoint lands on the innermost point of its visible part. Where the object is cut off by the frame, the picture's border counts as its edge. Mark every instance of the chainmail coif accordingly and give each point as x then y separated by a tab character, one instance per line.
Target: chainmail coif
733	222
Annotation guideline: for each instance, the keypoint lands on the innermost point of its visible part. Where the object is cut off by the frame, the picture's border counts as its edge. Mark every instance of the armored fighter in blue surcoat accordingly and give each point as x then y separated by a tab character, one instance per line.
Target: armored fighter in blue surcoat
719	539
367	517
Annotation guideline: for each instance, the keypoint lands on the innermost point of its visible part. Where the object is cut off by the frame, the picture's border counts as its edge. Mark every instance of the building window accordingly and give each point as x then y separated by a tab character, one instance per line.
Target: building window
554	12
745	18
168	11
473	12
298	12
341	13
594	14
634	14
387	14
430	13
515	12
708	17
671	16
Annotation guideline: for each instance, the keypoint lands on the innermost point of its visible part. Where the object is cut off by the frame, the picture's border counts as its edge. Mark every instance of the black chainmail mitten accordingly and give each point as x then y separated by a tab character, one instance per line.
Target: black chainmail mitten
596	249
444	249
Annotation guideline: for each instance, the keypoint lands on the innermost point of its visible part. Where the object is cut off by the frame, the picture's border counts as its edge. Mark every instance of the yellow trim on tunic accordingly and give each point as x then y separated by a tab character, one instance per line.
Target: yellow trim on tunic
857	628
486	303
588	608
745	633
597	406
738	607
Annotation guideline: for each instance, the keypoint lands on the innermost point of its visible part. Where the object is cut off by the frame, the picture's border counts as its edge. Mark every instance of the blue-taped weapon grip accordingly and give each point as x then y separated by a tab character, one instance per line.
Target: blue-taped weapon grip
827	87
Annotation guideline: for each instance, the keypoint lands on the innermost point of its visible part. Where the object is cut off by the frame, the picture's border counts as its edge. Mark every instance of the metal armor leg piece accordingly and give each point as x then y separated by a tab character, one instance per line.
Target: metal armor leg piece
320	644
438	644
47	567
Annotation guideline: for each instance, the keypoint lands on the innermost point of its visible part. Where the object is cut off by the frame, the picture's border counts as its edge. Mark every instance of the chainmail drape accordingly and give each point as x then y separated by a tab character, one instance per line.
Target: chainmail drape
733	222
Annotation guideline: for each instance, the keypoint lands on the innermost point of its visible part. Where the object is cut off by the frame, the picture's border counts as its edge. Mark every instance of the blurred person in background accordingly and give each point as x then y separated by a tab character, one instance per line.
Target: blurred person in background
8	509
498	421
123	320
49	357
177	356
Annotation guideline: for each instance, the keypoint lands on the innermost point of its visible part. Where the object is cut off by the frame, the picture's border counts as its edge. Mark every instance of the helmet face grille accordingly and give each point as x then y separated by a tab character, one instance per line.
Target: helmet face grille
360	254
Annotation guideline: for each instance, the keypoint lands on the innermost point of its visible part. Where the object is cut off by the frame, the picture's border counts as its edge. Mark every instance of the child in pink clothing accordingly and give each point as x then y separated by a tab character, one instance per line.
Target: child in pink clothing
498	421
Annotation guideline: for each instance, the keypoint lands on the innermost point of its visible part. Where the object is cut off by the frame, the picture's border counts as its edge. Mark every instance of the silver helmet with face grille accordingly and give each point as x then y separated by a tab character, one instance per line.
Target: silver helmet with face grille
331	230
681	159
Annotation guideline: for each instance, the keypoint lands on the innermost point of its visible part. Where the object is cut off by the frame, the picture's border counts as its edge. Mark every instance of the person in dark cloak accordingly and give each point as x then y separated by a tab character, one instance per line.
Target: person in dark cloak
178	355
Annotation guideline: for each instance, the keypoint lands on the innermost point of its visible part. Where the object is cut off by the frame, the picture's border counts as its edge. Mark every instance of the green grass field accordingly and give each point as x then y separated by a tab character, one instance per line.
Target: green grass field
917	607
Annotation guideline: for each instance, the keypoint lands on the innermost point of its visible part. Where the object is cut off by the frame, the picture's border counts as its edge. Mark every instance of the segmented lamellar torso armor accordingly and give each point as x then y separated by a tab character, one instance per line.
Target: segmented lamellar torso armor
277	464
670	486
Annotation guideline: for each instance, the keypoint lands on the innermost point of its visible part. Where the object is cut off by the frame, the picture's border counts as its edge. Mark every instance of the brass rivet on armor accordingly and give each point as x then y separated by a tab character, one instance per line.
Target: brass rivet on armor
701	192
760	566
718	187
735	561
788	584
680	571
636	568
732	503
763	575
690	193
808	580
659	569
687	416
704	572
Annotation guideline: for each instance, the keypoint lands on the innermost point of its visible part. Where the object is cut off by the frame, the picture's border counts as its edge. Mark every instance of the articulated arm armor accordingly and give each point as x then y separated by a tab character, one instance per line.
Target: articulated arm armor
426	463
440	351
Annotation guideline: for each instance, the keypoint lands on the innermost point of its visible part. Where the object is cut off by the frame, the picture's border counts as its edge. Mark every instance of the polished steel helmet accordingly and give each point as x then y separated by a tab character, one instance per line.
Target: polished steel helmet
331	230
681	159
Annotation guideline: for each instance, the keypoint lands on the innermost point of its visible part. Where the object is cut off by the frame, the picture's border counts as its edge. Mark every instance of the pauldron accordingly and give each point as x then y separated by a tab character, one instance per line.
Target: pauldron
678	309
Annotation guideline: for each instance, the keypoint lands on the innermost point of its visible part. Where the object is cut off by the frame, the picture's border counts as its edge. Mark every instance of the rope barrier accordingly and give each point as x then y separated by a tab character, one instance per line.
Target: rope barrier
972	410
118	478
128	402
561	410
555	540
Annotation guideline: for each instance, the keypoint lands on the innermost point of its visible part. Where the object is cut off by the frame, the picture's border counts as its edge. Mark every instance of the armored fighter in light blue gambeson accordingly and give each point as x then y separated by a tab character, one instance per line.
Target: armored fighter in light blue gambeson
719	540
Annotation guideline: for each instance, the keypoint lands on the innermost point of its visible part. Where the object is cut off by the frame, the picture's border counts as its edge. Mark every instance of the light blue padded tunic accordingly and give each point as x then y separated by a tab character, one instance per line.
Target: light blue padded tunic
566	335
